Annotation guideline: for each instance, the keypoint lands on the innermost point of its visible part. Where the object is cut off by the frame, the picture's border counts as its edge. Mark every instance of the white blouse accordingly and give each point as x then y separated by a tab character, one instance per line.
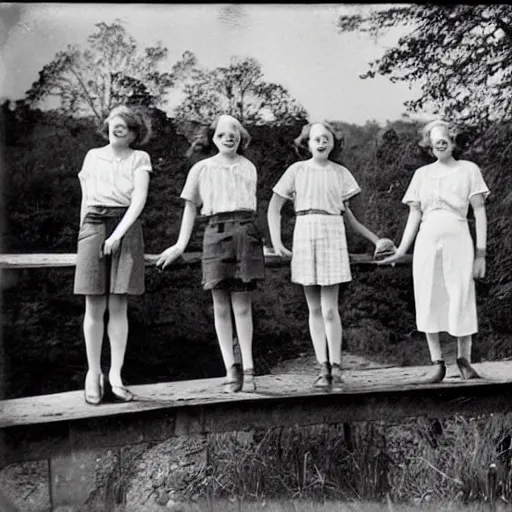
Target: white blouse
217	187
449	190
312	187
109	181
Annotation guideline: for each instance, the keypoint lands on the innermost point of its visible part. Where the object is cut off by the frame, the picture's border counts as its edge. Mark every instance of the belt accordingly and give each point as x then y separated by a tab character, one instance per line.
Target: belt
314	211
234	216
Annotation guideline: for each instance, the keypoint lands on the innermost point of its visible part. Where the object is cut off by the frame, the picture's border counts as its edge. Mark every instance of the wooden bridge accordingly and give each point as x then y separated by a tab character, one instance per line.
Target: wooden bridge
62	429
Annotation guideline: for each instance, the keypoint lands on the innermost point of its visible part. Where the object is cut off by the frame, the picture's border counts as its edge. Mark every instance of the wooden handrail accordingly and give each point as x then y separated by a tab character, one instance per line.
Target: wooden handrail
49	260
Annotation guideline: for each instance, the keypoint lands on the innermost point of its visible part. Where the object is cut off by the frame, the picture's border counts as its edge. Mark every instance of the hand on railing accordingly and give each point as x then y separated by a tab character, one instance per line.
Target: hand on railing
383	249
279	250
168	256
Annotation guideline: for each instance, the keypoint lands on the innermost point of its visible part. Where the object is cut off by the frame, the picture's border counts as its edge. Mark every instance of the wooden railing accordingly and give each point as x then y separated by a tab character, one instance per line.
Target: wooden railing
41	260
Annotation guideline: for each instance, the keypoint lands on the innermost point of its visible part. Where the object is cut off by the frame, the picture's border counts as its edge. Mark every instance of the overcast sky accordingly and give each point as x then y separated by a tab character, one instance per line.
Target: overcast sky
297	45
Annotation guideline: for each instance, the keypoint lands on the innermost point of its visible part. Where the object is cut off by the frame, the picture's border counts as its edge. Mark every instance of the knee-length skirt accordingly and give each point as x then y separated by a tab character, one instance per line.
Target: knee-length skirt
320	253
119	273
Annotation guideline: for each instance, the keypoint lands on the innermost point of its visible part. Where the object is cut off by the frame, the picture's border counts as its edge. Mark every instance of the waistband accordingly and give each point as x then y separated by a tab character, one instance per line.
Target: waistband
98	214
234	216
314	211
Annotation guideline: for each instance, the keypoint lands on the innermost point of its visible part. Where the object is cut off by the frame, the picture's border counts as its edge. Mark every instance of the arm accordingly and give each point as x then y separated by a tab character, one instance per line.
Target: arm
477	202
139	196
187	225
358	227
411	228
274	224
83	206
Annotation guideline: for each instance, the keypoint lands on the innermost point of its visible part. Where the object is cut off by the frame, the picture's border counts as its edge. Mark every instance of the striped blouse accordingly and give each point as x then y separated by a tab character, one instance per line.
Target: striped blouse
109	181
217	187
313	187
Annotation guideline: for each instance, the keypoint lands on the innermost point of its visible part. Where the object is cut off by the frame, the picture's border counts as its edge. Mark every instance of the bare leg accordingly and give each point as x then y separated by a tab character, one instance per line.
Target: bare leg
242	309
436	356
118	336
224	327
434	346
464	344
316	322
332	321
464	358
95	306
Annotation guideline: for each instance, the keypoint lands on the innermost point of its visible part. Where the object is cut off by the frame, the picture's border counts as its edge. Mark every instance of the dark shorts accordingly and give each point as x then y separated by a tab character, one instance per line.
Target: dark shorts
233	256
120	273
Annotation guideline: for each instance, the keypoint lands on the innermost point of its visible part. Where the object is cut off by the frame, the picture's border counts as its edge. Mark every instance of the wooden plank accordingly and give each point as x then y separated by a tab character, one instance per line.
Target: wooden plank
70	406
49	260
200	407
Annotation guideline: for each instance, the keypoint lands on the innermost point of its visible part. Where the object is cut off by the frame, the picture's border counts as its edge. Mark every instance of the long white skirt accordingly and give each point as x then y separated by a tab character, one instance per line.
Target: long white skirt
320	254
444	288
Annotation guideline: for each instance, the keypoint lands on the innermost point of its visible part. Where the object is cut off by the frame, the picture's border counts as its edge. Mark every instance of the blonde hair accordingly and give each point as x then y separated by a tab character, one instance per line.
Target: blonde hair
203	140
135	118
301	142
451	130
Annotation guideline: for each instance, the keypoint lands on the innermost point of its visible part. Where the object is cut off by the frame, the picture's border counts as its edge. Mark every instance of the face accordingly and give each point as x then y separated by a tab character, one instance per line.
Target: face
321	141
442	144
226	138
118	132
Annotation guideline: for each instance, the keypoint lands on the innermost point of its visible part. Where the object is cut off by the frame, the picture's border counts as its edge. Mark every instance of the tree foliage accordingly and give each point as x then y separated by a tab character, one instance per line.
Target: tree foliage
110	71
237	89
460	55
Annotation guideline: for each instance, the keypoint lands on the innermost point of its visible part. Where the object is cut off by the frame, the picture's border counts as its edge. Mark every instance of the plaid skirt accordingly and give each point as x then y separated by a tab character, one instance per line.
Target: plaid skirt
233	256
119	273
320	254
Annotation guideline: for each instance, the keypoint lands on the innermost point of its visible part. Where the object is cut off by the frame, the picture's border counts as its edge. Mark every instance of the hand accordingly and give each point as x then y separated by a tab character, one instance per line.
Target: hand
110	246
479	268
281	250
384	247
169	255
392	259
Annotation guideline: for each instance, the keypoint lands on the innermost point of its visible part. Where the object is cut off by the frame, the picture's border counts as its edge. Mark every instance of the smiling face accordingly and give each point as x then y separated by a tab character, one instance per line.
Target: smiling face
321	142
119	134
442	143
226	137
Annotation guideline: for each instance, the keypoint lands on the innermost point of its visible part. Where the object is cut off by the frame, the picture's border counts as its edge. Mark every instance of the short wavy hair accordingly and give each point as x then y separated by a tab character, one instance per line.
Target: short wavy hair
455	133
203	140
301	142
137	120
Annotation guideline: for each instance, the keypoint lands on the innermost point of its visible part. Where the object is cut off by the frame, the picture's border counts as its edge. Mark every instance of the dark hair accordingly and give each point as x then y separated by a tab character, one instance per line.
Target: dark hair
137	120
301	142
203	140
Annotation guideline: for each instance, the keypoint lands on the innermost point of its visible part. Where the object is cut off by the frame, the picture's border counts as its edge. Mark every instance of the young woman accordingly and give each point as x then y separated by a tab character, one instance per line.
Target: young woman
110	254
445	263
224	187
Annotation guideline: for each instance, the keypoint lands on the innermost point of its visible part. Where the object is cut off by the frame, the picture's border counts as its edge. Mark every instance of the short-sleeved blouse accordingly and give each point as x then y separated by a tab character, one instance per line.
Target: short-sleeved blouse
218	187
109	181
313	187
450	191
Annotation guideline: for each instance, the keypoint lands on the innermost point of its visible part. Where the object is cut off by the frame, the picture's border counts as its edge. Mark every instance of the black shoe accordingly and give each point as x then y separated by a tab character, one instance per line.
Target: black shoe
466	370
324	377
236	383
438	374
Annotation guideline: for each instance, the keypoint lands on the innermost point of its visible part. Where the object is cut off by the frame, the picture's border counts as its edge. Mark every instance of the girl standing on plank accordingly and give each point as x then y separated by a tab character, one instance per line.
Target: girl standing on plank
445	264
320	189
224	187
110	255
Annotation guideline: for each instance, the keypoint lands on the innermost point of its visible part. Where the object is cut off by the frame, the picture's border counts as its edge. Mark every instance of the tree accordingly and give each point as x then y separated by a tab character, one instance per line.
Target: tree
239	90
111	71
459	54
